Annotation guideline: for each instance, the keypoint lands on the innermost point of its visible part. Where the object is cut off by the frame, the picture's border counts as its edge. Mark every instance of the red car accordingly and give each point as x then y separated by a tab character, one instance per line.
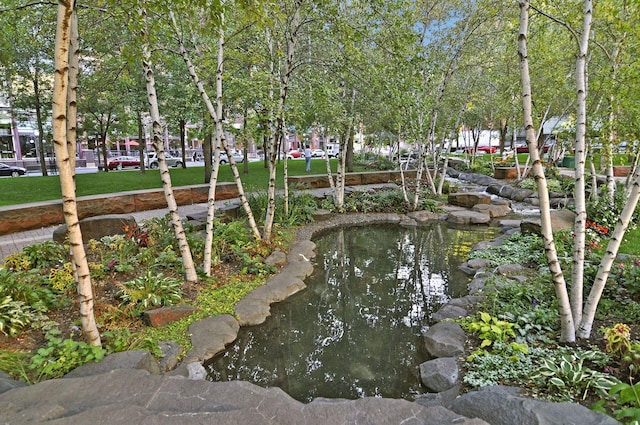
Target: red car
485	149
294	154
121	162
524	148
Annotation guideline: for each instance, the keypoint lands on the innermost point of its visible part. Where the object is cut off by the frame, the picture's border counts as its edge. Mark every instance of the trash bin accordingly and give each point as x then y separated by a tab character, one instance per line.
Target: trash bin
569	161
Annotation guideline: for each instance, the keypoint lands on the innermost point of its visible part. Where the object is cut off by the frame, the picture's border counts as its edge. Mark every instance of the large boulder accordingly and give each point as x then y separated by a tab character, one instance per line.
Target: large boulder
468	199
560	220
445	339
468	217
131	397
130	360
98	227
439	374
504	406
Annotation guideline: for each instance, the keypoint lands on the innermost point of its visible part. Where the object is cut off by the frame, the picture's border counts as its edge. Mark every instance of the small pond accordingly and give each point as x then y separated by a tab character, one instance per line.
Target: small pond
356	331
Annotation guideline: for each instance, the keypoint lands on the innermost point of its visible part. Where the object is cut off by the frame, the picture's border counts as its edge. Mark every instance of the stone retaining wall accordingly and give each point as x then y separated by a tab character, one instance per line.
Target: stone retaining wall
19	218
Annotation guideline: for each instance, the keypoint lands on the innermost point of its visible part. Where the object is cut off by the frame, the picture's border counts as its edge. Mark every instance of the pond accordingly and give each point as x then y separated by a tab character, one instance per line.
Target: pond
356	331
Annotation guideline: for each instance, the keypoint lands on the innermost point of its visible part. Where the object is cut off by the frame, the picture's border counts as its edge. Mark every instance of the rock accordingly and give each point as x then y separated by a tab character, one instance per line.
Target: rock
7	383
468	217
408	222
466	302
439	374
276	259
560	220
254	308
472	266
123	397
209	336
321	214
197	372
520	195
493	210
476	286
426	216
445	339
442	398
138	359
98	227
503	406
448	311
509	269
468	199
171	355
165	315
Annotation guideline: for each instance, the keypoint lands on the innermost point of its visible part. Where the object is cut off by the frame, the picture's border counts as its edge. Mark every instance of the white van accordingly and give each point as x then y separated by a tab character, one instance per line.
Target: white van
332	150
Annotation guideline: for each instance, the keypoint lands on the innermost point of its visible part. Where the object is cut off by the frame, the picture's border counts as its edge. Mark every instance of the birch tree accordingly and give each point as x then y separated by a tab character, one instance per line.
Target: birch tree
176	221
65	162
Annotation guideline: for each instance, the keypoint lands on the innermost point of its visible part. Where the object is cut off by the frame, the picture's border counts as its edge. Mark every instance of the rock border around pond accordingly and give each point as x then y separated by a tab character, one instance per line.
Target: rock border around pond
128	386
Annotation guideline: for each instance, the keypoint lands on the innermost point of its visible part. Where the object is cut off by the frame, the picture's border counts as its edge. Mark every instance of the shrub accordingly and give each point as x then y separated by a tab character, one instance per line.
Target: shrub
150	290
62	355
46	254
16	315
568	374
29	287
301	208
516	249
62	279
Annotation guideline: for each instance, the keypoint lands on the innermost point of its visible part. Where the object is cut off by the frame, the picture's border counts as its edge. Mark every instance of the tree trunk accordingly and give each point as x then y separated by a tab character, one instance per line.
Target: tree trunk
564	306
577	269
591	304
292	40
142	143
176	221
218	123
183	129
64	163
38	105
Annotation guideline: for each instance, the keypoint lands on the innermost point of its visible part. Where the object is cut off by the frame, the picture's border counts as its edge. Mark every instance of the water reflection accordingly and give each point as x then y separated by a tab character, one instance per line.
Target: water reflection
356	330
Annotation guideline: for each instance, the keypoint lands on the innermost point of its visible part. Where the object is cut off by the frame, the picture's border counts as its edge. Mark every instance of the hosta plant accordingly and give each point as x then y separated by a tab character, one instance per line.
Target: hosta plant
150	290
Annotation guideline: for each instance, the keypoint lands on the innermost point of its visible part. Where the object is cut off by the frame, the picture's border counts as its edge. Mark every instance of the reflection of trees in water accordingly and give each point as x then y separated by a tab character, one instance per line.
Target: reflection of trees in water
356	330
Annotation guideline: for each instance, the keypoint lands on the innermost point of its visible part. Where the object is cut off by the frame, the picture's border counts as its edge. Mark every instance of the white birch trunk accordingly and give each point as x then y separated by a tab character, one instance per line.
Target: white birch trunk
285	173
220	136
67	173
591	304
213	181
577	269
564	306
292	41
154	112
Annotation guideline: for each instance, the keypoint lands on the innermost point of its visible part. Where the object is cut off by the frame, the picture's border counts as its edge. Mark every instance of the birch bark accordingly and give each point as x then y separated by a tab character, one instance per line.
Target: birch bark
67	174
154	112
564	305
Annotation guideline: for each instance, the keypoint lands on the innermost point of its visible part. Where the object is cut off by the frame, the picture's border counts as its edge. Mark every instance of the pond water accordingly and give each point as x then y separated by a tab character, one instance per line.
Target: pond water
356	331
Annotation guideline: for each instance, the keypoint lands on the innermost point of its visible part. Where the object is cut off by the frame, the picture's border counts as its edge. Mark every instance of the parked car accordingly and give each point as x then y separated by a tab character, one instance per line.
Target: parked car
524	148
11	170
317	153
224	158
151	160
487	149
120	162
295	154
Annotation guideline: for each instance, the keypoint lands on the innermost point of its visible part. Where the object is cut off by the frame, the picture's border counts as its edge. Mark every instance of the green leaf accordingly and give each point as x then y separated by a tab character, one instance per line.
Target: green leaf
557	382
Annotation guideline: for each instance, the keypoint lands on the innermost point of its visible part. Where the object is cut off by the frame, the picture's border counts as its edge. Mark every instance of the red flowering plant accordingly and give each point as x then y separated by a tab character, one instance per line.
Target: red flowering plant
595	233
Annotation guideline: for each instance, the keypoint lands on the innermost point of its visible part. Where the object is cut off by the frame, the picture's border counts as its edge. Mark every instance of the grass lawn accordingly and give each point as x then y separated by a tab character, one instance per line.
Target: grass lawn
22	190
